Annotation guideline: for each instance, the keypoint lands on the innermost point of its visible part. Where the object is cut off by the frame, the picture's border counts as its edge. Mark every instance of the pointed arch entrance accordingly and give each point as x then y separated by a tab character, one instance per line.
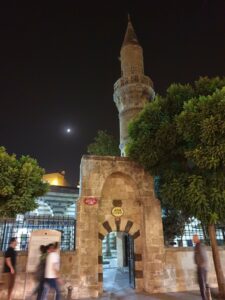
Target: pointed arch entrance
130	235
118	262
119	192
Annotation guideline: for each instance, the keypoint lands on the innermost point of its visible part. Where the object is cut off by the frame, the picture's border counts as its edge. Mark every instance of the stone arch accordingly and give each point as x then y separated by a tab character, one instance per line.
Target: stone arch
131	228
122	174
118	224
121	186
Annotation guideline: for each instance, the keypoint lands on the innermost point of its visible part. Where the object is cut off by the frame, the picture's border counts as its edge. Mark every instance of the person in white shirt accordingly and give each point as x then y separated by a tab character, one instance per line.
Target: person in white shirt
52	267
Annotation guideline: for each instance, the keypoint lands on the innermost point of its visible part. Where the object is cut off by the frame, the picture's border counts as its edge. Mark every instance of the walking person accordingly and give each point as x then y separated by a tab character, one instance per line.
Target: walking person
200	258
40	272
52	267
10	265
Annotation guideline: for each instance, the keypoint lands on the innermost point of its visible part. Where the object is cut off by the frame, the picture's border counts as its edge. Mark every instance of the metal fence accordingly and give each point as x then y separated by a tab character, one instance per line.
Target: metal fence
22	226
196	227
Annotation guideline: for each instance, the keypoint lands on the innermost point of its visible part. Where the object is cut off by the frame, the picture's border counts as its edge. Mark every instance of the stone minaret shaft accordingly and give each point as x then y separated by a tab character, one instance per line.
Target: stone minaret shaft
133	90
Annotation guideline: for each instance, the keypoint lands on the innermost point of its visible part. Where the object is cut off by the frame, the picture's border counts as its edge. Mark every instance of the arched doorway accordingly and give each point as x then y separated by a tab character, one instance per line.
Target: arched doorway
120	253
124	201
118	261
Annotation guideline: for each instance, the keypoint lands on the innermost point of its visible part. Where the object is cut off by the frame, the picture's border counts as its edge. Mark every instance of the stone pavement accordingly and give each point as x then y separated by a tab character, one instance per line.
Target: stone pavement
116	287
131	295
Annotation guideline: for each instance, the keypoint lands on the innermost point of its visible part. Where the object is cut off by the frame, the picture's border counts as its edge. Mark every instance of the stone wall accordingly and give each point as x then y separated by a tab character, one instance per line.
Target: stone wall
111	180
69	274
179	271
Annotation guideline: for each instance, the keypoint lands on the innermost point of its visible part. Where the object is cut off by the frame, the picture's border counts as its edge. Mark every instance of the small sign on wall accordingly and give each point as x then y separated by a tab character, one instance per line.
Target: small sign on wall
117	211
90	200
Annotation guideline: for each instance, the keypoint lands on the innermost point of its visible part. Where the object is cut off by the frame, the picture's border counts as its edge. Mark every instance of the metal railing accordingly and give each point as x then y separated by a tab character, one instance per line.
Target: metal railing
196	227
22	226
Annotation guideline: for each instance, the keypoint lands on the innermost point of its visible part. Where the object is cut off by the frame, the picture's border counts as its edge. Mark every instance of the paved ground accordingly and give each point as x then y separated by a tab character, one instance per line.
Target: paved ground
130	295
116	286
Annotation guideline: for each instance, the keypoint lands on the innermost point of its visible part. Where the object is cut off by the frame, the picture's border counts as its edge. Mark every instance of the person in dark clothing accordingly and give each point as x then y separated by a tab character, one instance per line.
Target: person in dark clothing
10	266
200	258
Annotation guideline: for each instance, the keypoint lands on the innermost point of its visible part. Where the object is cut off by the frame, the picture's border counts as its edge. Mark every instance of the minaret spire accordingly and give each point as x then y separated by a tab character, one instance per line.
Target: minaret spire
130	36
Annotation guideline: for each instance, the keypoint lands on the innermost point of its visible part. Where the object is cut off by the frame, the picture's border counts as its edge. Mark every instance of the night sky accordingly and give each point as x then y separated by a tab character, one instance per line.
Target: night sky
59	61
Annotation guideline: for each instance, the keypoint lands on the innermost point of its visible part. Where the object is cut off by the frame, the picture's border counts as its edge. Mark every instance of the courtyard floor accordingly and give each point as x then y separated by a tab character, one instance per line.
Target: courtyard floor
116	286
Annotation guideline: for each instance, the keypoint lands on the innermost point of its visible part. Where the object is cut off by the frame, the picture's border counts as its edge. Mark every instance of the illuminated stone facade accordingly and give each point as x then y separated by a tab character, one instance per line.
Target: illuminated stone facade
116	178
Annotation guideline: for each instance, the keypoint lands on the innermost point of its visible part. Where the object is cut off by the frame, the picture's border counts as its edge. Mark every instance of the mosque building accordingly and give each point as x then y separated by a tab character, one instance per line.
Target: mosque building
60	200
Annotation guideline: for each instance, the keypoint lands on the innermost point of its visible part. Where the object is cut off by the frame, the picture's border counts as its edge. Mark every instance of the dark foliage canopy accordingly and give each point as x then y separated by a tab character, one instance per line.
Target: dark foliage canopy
104	144
180	137
20	184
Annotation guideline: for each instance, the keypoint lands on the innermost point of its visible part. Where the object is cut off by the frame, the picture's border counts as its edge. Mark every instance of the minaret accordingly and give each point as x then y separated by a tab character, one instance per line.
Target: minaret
133	90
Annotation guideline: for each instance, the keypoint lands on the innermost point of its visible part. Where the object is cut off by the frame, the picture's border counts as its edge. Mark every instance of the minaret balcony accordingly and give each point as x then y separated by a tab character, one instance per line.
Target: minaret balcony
131	80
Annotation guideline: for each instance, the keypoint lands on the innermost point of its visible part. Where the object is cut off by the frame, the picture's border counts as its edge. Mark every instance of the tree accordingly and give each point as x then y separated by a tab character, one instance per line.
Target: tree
173	220
180	137
20	184
104	144
173	224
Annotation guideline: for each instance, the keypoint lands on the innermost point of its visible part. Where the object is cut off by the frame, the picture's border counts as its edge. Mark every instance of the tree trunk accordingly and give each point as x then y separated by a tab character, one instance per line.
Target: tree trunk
216	260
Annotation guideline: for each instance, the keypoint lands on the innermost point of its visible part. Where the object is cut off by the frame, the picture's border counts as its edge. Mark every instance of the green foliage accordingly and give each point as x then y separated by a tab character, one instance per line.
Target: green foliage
181	138
207	86
206	133
104	144
173	219
20	184
173	224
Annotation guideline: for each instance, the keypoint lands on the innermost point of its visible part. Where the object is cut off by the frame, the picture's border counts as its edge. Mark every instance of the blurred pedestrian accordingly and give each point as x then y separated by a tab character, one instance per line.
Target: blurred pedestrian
10	265
200	258
40	273
52	279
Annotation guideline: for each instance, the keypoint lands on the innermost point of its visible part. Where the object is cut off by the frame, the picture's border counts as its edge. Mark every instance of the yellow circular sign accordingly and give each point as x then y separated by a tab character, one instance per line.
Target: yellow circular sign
117	211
